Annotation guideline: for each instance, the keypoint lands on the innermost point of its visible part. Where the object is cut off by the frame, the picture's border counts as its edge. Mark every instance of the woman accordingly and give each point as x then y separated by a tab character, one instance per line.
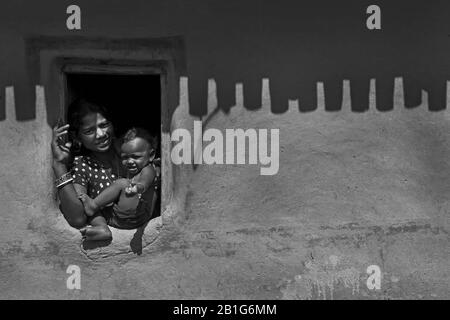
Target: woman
96	168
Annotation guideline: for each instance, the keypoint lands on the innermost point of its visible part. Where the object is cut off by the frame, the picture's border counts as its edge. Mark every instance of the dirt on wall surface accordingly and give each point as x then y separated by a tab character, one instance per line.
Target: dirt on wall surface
353	190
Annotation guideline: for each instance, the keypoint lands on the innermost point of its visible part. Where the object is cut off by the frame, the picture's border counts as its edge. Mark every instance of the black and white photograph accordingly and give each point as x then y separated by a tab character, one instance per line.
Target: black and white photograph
239	150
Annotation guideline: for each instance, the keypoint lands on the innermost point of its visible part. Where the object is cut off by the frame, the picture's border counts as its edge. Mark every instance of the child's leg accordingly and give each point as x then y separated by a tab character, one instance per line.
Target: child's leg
107	196
111	193
98	230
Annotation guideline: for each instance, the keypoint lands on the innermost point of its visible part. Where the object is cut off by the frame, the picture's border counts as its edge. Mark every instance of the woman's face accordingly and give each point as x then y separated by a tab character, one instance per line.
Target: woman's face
96	133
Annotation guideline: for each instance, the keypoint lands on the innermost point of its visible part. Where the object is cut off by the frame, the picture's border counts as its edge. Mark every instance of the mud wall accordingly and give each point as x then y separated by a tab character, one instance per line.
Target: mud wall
354	189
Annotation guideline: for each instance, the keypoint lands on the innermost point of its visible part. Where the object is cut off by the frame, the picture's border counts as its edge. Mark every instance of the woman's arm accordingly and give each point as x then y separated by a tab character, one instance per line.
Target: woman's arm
70	206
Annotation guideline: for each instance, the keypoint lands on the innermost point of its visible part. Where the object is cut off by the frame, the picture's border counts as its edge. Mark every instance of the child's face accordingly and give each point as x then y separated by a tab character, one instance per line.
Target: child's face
135	154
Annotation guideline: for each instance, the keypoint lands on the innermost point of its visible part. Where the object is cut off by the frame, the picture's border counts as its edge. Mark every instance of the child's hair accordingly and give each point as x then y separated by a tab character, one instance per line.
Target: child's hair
137	132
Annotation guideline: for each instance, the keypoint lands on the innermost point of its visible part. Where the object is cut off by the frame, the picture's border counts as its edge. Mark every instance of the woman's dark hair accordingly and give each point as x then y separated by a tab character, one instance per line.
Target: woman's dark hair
137	132
77	111
80	108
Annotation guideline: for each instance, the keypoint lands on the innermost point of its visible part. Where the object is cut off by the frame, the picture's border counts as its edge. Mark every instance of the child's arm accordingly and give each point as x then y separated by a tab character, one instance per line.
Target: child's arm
143	181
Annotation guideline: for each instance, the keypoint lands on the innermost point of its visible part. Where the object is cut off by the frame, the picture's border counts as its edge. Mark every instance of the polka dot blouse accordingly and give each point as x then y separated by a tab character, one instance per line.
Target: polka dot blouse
89	173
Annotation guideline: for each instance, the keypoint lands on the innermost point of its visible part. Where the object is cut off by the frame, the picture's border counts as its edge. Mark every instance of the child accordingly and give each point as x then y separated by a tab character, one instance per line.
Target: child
132	197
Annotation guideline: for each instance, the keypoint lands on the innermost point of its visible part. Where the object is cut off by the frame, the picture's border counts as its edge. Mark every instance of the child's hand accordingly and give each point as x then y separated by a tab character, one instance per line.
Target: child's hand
131	190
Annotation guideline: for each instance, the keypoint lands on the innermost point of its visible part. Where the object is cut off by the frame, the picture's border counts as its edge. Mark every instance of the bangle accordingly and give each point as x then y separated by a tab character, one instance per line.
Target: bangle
59	186
63	180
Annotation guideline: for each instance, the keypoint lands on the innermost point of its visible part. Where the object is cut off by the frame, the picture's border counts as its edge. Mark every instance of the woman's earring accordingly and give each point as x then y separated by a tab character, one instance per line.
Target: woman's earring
76	146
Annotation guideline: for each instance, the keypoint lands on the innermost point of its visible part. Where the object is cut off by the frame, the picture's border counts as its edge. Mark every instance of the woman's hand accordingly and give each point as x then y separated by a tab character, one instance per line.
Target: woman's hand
60	150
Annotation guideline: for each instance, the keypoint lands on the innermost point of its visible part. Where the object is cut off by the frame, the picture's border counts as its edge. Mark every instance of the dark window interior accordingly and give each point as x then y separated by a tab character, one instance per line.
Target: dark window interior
132	100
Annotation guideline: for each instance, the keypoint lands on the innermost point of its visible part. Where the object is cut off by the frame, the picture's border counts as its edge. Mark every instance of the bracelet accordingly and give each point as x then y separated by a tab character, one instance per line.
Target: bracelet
63	180
59	186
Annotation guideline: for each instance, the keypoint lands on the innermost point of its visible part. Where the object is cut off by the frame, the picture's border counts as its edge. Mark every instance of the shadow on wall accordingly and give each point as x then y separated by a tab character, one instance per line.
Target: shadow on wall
296	45
135	243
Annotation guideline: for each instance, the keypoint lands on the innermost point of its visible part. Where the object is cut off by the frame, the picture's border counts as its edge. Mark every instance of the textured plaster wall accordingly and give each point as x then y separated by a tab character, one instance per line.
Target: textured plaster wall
353	190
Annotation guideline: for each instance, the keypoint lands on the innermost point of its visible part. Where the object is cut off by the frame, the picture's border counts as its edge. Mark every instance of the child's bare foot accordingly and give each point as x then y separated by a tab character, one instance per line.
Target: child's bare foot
83	232
97	233
90	207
